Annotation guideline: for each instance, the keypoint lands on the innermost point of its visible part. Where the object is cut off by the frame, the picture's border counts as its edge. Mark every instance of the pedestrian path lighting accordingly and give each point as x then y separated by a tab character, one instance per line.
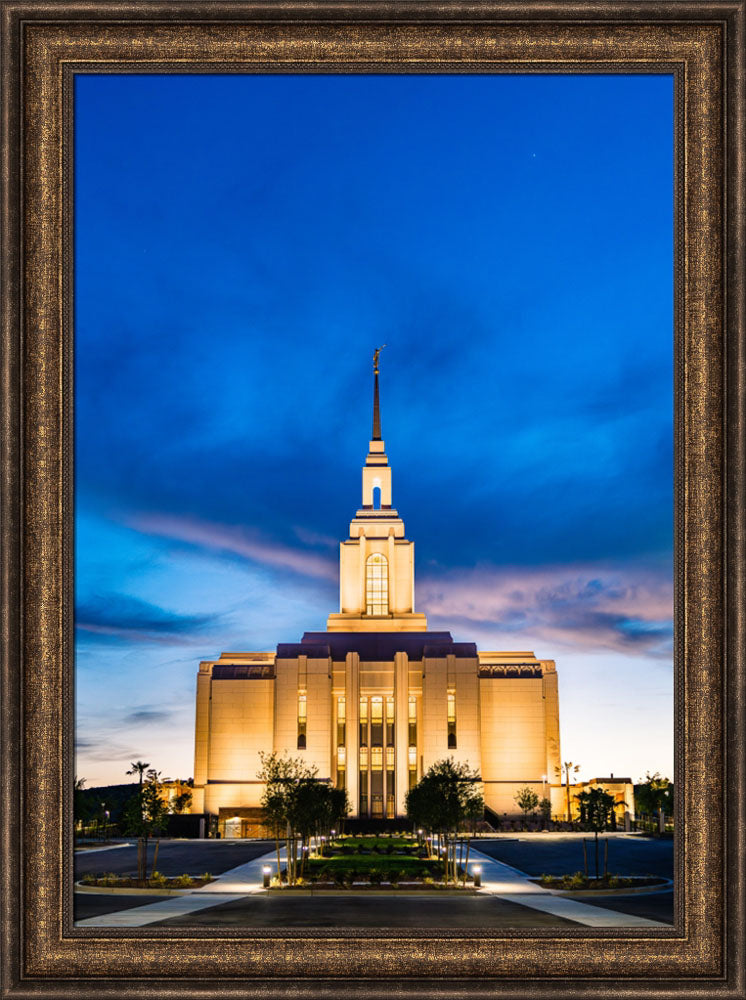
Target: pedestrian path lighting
266	871
477	873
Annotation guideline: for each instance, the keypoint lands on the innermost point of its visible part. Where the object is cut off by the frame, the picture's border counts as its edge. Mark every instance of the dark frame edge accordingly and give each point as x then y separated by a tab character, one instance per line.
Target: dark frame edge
735	498
11	257
733	983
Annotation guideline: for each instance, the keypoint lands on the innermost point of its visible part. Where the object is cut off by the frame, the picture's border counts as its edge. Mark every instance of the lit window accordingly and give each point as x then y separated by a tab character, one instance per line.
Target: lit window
413	757
412	721
340	722
451	720
376	758
389	758
341	757
376	721
302	721
377	585
363	722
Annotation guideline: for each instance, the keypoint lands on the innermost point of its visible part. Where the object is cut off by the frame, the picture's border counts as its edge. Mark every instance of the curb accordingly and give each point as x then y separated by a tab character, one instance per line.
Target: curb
606	893
130	891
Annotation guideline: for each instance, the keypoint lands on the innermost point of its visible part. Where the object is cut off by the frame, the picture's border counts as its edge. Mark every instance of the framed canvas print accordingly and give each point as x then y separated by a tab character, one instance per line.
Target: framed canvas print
290	288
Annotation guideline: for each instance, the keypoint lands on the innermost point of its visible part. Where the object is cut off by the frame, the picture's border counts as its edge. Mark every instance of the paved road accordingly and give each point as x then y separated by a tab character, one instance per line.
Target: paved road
554	854
94	904
398	910
175	857
654	906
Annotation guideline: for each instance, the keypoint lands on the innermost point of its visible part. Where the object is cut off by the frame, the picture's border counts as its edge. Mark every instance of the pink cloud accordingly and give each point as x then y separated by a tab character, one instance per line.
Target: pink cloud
227	538
619	608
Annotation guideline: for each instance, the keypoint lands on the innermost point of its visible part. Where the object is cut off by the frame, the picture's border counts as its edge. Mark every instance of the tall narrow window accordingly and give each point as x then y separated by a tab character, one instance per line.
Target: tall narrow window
412	765
376	782
451	720
412	722
389	722
363	786
377	585
376	721
302	721
363	722
341	715
390	783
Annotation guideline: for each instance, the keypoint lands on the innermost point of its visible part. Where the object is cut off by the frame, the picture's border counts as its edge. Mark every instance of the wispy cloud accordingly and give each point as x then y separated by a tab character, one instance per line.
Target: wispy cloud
579	607
147	716
121	617
235	541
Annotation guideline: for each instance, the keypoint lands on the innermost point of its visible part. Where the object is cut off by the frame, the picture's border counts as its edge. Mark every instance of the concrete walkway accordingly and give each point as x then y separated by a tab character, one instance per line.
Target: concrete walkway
234	884
508	883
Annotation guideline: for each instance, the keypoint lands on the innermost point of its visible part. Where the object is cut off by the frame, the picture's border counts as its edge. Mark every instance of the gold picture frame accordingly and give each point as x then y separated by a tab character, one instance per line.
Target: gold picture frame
44	45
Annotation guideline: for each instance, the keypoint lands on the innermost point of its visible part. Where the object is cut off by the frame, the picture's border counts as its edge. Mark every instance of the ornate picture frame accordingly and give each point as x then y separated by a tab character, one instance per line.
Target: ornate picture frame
44	46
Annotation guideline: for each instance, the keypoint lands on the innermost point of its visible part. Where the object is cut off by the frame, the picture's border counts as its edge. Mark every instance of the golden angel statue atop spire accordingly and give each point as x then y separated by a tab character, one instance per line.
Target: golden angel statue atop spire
375	358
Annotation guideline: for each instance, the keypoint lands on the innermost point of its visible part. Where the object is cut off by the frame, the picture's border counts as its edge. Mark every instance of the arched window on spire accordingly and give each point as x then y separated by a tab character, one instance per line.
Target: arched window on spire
377	585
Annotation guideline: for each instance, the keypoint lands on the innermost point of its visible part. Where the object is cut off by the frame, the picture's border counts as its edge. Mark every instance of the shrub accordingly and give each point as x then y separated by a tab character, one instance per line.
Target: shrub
350	875
394	877
340	876
88	879
183	881
375	876
578	880
546	879
158	880
206	877
109	879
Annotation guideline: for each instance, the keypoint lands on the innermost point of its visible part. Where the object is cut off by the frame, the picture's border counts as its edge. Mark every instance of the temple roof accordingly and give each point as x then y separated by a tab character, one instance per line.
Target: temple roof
376	646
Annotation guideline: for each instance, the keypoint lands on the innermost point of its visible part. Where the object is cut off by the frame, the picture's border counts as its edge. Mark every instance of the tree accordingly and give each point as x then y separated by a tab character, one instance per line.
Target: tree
297	803
181	802
443	802
82	809
527	800
139	767
146	815
569	768
595	807
654	794
545	808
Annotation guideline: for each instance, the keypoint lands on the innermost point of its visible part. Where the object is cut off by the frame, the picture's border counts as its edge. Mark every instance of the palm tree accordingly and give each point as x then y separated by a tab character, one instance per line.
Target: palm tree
569	768
138	767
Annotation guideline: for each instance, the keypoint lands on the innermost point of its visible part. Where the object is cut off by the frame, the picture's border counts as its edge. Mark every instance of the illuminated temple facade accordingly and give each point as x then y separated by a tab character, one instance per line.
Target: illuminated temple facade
376	699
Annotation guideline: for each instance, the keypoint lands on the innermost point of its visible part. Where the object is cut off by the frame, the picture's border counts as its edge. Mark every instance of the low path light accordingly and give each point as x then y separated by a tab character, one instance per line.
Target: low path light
266	872
477	873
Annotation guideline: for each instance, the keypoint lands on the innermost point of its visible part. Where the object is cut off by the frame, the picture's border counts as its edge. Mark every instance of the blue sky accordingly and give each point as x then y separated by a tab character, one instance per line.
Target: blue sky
242	245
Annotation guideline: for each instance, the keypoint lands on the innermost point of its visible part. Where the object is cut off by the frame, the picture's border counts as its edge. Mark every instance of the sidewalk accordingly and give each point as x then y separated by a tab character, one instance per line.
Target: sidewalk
234	884
514	886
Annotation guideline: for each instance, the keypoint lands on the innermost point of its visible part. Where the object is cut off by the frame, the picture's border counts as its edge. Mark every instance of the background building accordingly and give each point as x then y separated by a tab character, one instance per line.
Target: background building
376	699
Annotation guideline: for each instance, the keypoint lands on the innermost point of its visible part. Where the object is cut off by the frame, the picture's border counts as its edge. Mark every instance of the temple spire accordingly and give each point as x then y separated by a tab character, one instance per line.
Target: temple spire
376	405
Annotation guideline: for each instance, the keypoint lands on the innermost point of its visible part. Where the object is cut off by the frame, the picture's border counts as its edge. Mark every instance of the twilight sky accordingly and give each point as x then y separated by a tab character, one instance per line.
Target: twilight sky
242	245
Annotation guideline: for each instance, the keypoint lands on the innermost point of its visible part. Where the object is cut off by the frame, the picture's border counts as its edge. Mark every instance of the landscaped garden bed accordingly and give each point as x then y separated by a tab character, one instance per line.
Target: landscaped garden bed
156	881
578	882
370	862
